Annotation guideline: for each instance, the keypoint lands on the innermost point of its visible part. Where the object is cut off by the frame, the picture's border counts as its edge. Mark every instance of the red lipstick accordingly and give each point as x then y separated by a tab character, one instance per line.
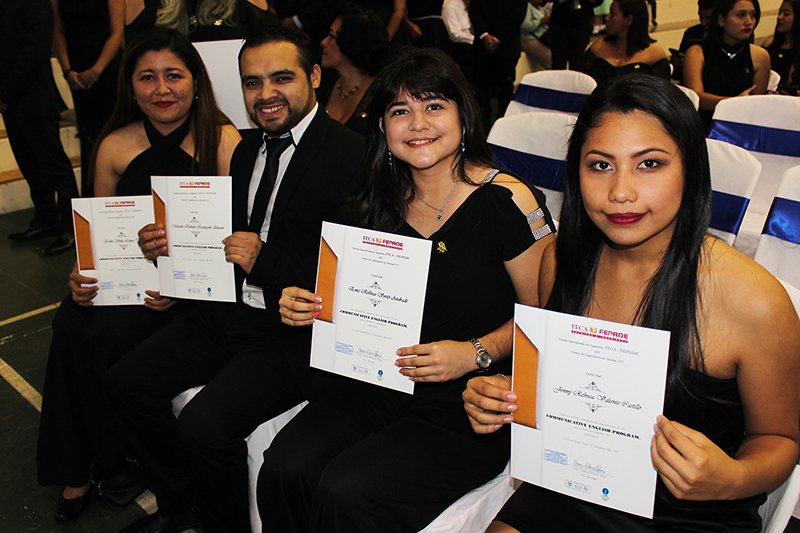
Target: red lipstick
624	219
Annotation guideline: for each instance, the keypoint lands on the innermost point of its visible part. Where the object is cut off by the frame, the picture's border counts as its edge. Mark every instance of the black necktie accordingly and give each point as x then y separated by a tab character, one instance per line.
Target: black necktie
275	148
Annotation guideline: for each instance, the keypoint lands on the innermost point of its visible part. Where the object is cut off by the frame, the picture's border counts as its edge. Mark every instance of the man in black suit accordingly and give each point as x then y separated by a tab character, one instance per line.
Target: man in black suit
30	104
693	35
252	369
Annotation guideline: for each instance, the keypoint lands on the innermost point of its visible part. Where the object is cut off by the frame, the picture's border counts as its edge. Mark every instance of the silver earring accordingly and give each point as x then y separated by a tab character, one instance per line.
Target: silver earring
462	146
391	163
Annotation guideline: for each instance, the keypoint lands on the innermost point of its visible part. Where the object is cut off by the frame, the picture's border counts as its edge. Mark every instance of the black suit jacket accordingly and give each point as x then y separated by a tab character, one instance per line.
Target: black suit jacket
319	177
26	77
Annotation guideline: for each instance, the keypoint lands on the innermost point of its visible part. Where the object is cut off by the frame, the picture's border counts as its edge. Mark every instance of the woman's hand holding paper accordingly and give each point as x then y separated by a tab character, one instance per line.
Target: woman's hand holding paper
489	403
82	296
153	241
436	361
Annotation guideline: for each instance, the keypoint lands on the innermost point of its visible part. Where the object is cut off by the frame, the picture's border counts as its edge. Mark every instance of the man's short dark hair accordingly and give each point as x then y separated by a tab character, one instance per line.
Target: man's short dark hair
705	4
279	34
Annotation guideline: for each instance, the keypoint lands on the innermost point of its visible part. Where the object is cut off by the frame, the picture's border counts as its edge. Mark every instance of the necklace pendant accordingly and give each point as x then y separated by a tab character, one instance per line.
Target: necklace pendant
439	216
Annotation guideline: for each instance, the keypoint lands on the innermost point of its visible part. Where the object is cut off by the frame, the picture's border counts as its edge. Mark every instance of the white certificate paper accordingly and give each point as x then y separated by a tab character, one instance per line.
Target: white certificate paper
373	289
106	235
589	393
197	214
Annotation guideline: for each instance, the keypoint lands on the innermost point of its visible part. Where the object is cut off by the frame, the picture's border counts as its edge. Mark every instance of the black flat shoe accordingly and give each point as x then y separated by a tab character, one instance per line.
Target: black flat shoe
155	523
64	243
33	232
68	510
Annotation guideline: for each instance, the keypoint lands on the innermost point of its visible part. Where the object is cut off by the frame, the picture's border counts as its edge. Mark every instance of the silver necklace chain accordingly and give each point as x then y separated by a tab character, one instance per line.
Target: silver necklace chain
439	216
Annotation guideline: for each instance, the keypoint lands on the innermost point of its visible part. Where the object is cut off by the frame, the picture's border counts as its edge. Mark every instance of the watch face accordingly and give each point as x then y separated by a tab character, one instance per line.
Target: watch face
484	360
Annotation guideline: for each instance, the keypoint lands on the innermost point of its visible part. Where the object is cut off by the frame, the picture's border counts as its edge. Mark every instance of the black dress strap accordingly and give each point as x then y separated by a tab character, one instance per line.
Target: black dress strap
163	158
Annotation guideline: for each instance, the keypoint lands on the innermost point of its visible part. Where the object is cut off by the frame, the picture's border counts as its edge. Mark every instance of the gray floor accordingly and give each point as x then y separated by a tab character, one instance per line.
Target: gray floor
29	281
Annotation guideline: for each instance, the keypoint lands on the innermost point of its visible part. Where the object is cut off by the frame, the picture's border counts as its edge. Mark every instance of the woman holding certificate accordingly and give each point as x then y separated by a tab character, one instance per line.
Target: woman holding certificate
633	249
374	459
166	122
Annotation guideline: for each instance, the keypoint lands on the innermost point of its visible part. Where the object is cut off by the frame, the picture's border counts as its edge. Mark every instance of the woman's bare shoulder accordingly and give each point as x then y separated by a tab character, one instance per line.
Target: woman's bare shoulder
744	290
521	193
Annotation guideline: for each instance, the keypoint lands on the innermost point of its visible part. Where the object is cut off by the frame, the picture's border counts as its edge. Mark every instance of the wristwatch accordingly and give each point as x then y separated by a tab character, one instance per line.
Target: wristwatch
484	359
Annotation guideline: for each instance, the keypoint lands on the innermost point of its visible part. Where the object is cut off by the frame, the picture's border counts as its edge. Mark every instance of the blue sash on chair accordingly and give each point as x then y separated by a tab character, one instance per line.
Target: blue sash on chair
728	211
535	169
545	98
783	220
757	138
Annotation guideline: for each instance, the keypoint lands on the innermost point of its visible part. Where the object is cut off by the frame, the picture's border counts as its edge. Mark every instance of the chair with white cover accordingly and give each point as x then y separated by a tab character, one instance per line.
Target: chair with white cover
774	80
562	91
767	126
472	513
779	246
734	174
691	95
777	510
534	146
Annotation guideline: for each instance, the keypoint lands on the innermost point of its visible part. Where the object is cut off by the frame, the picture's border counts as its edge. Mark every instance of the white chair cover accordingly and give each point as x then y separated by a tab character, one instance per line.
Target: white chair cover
562	91
472	513
777	510
734	174
691	95
534	145
779	246
767	126
774	80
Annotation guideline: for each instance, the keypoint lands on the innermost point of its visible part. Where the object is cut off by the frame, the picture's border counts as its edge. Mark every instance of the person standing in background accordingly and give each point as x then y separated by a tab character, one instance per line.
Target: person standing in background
459	28
496	50
87	39
571	24
30	104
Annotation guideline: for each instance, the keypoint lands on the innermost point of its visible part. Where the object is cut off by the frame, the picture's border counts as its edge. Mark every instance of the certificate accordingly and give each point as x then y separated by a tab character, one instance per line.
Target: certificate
106	235
589	393
373	293
196	213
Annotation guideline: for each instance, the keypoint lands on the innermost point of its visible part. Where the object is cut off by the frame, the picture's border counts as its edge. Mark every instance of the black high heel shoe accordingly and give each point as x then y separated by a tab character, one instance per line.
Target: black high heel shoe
68	510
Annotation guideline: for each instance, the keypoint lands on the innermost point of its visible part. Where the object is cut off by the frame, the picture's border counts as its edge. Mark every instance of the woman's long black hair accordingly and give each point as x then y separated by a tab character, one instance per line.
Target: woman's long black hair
384	189
670	301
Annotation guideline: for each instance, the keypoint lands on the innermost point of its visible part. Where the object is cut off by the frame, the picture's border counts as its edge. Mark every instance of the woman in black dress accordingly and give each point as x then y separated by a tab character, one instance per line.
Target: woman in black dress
633	248
374	459
166	123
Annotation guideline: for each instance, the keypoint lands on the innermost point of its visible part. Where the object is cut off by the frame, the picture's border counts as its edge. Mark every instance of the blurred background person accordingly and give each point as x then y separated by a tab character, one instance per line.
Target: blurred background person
534	36
459	28
627	46
215	20
726	65
496	51
30	104
571	24
784	45
355	48
693	35
87	39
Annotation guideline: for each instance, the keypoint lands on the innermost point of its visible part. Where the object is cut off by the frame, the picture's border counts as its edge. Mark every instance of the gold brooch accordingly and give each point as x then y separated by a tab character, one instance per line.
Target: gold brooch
441	247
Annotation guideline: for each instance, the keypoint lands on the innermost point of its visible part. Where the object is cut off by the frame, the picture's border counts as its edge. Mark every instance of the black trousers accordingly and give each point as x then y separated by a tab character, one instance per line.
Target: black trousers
78	433
382	461
37	147
569	39
493	75
231	349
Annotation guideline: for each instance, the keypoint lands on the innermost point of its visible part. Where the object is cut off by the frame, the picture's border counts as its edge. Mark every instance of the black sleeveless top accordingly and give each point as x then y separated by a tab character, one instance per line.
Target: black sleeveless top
724	75
163	158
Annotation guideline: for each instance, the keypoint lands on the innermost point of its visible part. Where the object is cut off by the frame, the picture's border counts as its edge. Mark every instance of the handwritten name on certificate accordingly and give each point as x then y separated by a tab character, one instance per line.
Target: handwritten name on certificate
106	235
373	292
197	214
589	393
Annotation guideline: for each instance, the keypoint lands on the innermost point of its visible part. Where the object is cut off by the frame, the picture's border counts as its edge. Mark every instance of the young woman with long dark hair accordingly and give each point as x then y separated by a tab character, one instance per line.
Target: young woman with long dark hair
633	249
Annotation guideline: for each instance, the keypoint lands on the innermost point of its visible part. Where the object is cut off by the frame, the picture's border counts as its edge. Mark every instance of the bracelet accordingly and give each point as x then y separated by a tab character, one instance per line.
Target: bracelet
504	377
66	72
